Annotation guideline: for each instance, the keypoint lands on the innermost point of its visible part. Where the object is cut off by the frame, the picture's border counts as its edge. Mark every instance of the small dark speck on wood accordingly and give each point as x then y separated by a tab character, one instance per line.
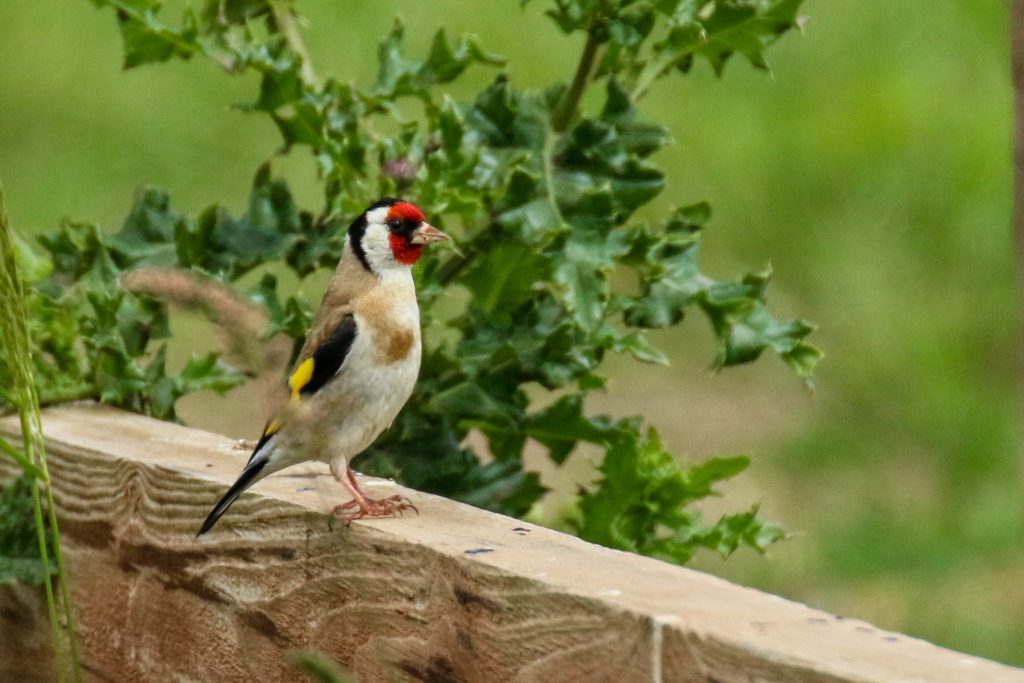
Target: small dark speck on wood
521	531
477	551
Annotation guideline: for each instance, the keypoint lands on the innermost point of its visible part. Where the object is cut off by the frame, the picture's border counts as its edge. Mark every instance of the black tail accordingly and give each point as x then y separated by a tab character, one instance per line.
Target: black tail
246	479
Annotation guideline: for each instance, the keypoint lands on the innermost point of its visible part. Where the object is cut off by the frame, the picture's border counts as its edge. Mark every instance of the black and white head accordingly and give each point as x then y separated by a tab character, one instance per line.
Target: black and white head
391	234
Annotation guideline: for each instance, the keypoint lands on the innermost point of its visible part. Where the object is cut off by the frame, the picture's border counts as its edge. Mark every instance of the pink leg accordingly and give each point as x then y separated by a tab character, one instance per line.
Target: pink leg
362	505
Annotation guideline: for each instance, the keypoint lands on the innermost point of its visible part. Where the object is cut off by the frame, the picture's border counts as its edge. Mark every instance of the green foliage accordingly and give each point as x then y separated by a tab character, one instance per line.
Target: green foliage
19	548
541	197
641	502
95	339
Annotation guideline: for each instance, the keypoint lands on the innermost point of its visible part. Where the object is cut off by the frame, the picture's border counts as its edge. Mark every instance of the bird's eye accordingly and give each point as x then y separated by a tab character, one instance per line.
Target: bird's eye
394	225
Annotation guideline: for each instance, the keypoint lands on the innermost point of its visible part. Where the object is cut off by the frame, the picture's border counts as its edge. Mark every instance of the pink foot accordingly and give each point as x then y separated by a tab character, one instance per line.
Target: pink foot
369	507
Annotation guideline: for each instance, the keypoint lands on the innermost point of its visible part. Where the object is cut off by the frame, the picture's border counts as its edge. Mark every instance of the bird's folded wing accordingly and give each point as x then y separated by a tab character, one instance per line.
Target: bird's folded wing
325	360
312	372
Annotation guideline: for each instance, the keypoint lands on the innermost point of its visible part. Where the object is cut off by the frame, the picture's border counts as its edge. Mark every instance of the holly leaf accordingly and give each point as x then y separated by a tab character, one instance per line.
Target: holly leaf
146	39
504	278
563	424
207	372
640	502
719	29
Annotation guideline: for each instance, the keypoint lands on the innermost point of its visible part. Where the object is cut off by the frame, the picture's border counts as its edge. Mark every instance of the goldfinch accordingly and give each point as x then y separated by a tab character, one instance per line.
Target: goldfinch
359	362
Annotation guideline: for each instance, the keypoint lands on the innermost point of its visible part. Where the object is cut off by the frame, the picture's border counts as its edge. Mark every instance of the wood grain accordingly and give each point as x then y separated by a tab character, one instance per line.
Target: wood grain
454	594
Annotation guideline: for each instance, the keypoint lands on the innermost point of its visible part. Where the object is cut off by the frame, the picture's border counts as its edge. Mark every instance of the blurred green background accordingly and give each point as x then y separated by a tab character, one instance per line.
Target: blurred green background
871	168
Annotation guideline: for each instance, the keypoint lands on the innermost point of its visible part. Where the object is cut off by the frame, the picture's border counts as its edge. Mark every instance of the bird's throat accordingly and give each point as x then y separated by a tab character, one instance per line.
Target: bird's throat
404	252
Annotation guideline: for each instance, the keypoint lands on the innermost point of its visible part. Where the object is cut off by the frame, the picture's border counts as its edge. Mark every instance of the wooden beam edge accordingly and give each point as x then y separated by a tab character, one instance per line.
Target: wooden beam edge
698	623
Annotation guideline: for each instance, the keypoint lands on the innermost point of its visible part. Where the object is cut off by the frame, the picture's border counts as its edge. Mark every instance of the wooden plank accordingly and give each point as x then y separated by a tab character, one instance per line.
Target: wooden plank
454	594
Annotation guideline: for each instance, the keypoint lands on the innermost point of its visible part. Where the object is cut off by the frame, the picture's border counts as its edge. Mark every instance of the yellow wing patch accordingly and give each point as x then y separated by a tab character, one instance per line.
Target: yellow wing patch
300	377
272	428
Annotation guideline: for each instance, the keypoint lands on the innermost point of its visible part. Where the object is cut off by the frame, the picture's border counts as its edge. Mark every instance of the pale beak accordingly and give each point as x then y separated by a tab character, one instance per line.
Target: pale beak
425	233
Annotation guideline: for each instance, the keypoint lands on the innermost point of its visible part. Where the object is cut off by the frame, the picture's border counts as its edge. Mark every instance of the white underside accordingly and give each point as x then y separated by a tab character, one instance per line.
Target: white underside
373	393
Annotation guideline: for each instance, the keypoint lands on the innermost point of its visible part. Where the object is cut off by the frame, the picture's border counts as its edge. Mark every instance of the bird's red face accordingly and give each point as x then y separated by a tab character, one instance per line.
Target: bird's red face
408	231
391	234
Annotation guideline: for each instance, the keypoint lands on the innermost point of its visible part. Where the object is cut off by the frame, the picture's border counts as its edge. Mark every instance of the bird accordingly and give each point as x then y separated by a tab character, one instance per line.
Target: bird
358	365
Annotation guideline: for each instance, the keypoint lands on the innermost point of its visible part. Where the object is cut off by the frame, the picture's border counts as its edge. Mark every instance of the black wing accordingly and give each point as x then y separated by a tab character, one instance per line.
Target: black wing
313	373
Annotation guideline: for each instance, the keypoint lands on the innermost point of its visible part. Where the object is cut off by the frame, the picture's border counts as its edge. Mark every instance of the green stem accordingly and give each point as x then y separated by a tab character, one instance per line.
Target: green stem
24	463
566	109
653	73
284	19
58	554
44	554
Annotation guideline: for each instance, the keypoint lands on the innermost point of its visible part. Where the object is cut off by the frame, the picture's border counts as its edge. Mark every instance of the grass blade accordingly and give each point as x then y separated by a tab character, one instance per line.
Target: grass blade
24	463
15	337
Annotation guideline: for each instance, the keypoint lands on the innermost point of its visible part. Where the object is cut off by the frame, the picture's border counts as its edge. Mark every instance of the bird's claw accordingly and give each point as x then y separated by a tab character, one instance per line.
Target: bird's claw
383	507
